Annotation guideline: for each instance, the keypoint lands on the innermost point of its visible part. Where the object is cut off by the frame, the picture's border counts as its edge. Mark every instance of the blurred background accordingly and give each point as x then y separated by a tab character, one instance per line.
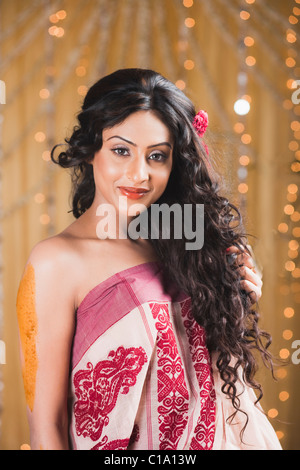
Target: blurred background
238	60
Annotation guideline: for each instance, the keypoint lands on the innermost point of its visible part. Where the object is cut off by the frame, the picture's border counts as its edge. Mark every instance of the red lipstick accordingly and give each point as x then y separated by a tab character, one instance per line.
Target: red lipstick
133	193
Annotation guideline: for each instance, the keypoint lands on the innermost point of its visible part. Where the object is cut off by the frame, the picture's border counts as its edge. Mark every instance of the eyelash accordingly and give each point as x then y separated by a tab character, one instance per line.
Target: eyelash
124	149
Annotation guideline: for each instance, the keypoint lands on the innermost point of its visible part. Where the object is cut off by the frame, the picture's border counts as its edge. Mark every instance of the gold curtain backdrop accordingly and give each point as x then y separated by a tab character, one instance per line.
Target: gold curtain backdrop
218	52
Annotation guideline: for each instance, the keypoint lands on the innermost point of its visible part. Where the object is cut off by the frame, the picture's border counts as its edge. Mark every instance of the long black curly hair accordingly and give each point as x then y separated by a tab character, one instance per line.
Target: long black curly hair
211	279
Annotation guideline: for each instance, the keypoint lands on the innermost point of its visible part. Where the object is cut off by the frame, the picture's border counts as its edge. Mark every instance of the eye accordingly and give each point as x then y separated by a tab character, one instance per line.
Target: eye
121	151
158	156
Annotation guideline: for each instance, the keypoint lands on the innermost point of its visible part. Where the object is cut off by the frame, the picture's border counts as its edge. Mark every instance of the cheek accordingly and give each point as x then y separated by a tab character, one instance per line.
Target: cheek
106	171
27	320
163	178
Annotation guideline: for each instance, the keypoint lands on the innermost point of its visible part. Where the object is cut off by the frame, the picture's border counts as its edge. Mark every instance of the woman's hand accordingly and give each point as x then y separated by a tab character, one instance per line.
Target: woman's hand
251	277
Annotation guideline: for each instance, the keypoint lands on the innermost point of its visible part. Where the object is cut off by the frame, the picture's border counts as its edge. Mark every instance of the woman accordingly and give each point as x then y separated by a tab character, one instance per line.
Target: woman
132	342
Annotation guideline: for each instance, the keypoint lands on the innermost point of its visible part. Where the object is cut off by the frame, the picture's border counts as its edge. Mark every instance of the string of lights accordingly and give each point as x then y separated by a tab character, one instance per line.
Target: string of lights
40	136
253	69
241	106
198	61
256	20
289	228
280	20
26	40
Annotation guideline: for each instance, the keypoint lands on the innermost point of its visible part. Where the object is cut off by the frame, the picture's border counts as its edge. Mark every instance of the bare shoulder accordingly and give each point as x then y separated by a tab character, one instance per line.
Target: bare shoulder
53	263
54	250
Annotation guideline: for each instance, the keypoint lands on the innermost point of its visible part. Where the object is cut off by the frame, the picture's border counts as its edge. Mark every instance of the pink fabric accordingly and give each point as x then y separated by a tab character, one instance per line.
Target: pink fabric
142	377
141	374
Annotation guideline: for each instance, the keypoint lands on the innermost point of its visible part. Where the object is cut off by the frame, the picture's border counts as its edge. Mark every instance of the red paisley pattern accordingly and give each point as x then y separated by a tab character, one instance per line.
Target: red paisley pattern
173	397
205	428
97	390
118	444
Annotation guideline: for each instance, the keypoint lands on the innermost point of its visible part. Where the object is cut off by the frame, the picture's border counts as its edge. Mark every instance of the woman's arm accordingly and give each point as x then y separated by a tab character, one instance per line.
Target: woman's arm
45	310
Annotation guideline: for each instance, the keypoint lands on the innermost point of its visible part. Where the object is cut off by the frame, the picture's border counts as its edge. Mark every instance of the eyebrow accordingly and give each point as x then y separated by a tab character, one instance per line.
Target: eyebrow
135	145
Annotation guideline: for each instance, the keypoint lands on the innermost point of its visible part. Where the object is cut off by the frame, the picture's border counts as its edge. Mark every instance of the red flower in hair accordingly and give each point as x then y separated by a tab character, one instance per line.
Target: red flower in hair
200	122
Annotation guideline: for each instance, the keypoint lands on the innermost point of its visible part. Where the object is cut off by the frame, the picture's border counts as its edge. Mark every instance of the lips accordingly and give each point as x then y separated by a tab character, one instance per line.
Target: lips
133	193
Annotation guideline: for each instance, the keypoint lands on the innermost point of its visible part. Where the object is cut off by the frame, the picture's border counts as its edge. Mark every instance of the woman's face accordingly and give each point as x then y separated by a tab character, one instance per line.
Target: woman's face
135	161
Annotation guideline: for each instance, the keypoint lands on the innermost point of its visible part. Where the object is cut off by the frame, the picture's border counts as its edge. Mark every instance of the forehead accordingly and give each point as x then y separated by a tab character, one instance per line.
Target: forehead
140	126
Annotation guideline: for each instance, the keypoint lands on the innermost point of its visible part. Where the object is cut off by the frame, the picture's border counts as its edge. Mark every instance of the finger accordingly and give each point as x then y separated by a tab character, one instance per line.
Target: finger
250	275
253	291
239	251
248	261
251	264
242	257
233	249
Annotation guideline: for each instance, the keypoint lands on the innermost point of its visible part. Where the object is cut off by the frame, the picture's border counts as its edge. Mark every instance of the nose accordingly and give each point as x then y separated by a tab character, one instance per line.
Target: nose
137	170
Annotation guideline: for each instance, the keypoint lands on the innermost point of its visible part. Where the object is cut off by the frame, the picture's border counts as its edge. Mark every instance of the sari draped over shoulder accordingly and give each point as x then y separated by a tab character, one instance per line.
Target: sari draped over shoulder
141	375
